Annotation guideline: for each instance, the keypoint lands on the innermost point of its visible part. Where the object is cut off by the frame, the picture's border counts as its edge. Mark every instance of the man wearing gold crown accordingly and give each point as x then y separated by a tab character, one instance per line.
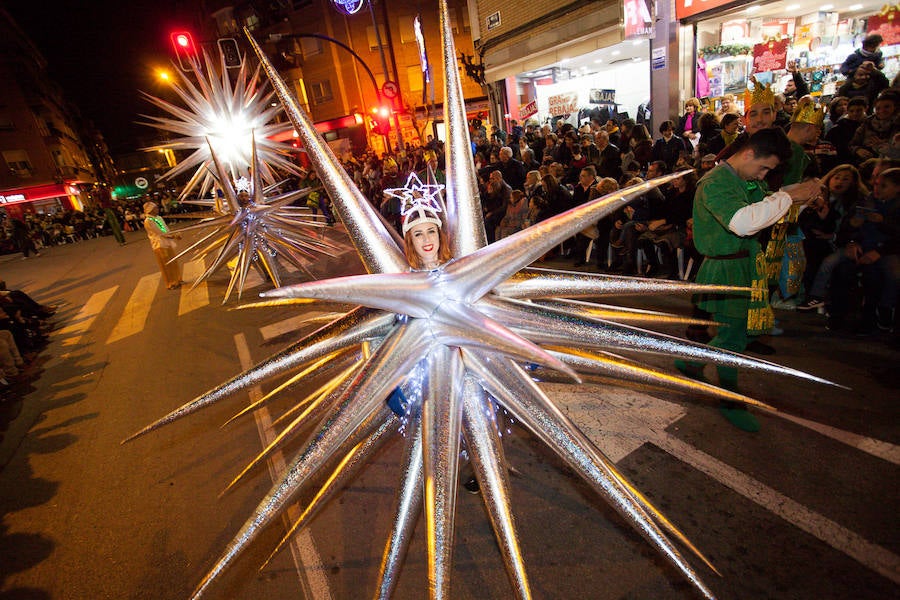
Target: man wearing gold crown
759	114
784	252
728	215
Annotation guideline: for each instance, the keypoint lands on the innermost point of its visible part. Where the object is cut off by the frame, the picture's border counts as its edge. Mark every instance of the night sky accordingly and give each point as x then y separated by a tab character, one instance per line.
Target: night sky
103	53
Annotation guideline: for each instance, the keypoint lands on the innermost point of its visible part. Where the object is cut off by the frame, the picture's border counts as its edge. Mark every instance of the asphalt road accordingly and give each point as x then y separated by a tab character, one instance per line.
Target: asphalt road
804	509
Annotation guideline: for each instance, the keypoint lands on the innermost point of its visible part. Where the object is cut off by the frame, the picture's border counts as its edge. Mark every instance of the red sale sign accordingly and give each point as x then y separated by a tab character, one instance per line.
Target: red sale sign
770	56
887	24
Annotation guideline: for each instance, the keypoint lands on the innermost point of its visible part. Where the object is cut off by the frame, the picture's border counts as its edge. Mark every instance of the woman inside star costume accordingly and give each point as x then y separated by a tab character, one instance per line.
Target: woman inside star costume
427	248
424	241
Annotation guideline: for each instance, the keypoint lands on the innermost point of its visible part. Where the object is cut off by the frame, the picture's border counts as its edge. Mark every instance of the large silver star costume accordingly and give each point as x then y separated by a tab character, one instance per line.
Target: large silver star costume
457	341
220	116
257	233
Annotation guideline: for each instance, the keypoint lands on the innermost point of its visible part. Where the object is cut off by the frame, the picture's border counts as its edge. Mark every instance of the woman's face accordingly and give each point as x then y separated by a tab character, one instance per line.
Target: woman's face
731	127
840	182
884	109
885	190
426	242
689	109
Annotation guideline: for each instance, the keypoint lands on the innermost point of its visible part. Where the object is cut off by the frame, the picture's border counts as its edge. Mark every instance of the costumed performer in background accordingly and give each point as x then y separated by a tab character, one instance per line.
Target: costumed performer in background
727	218
162	241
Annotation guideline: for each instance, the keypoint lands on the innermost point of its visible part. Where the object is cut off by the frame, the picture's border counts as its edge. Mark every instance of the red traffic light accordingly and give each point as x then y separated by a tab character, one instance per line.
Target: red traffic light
381	120
185	50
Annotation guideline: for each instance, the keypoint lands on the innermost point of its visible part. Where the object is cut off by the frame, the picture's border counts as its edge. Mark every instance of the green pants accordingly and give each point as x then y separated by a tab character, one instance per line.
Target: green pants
730	335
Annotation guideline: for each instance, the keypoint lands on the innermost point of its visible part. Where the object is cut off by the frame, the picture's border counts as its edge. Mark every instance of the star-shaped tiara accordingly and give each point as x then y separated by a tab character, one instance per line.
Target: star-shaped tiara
416	194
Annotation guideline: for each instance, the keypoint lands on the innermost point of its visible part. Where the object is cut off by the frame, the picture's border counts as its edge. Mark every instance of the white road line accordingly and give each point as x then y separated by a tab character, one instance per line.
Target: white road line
879	559
134	317
884	450
192	299
85	317
621	422
303	547
294	323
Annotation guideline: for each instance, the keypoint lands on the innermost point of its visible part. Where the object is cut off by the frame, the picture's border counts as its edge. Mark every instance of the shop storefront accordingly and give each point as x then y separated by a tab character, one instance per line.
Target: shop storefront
612	82
606	83
40	199
764	39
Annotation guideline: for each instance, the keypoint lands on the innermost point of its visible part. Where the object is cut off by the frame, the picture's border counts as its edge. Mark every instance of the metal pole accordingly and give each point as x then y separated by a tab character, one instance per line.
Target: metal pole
278	36
385	67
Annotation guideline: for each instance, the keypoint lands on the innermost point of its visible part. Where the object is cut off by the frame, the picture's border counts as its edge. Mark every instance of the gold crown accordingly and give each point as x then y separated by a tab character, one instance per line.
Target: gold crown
759	95
808	111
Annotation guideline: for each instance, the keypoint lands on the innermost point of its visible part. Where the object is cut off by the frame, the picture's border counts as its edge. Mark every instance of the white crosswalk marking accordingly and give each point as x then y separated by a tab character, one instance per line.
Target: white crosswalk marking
85	317
306	557
192	299
630	419
135	315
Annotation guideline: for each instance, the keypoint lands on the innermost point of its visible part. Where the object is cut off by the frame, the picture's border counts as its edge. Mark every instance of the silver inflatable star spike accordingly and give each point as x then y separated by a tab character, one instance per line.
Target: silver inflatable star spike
457	343
257	231
220	116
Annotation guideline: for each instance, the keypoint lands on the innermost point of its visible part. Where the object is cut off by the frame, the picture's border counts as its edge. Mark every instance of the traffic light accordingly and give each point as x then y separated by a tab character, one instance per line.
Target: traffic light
185	50
231	53
381	120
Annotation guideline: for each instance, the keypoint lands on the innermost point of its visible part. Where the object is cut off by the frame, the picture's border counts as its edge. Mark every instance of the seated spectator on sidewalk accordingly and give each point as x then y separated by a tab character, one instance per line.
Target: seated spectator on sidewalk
845	128
559	198
514	218
730	126
667	233
670	147
843	190
17	300
873	244
583	193
610	161
494	203
538	208
875	135
637	218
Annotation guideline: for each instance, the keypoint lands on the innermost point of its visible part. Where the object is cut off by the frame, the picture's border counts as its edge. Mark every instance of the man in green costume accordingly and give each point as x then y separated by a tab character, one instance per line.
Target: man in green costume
730	208
784	253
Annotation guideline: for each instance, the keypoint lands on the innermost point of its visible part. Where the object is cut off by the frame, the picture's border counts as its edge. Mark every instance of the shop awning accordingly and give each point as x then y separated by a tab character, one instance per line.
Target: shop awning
37	192
322	127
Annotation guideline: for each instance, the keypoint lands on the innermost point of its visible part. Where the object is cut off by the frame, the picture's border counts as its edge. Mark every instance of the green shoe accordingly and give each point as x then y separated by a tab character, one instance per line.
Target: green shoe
738	415
693	371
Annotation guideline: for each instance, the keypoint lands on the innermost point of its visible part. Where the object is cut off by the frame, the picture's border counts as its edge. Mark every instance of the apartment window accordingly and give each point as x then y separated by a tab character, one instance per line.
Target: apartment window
415	78
373	39
6	124
251	22
407	30
320	91
18	163
453	24
310	47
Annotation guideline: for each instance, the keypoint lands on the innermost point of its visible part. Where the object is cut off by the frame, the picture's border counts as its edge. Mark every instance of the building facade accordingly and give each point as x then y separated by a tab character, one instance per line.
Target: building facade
354	71
46	164
549	60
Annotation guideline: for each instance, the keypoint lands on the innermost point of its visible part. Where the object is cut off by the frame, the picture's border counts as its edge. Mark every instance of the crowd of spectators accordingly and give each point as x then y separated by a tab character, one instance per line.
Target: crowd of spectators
65	226
534	171
24	325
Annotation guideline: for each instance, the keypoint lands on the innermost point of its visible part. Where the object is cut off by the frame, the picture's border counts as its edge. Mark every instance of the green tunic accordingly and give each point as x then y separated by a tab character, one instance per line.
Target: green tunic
720	194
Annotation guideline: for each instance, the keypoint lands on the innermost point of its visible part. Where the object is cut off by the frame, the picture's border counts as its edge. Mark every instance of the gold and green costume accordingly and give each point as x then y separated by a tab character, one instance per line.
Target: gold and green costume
730	259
